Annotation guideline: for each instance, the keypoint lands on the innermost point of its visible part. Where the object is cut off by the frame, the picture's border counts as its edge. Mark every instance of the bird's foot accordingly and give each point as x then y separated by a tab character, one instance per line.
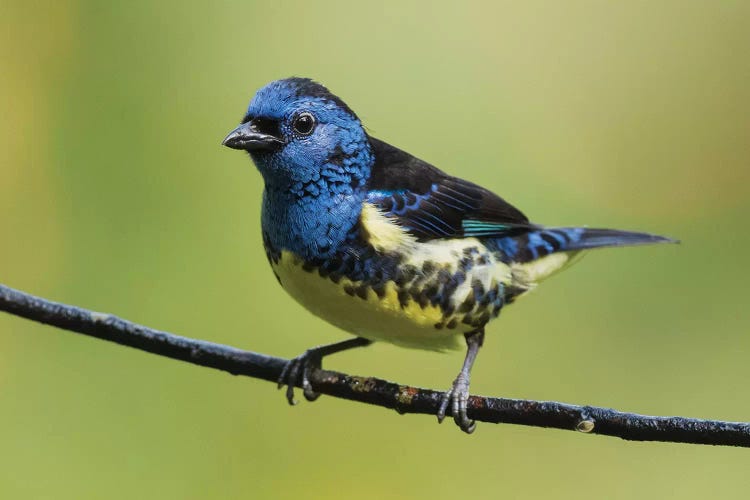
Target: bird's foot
300	369
458	398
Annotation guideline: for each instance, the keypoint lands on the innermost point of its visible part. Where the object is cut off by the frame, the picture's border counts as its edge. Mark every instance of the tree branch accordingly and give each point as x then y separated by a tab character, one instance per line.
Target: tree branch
404	399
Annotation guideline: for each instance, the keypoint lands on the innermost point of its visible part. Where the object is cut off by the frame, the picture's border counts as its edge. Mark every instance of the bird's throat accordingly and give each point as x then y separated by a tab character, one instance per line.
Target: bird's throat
313	225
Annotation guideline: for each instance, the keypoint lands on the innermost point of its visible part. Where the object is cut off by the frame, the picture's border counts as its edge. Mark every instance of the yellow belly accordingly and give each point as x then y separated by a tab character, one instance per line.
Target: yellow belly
372	317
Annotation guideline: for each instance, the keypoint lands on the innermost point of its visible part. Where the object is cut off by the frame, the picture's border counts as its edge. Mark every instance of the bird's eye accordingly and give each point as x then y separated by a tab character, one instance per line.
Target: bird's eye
304	123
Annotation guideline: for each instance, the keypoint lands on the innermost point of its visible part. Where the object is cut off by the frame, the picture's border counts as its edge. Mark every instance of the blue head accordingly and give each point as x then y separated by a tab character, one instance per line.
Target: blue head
315	160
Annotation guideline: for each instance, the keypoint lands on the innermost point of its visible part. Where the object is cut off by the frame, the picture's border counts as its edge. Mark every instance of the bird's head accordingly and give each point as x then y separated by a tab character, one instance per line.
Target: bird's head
300	134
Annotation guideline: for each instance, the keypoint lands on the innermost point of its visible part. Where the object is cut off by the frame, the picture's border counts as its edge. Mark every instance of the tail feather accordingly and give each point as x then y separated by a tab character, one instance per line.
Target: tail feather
538	254
542	242
595	238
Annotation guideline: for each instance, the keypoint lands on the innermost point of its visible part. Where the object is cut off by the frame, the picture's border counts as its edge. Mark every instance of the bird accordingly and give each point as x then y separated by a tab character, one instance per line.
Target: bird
386	246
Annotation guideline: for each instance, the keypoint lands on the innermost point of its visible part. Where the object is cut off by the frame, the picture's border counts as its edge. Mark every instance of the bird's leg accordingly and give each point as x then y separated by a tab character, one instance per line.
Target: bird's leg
309	360
458	395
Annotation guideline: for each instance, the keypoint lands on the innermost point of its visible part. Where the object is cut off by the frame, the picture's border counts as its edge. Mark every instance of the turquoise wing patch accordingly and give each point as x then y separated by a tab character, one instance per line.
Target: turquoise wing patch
485	229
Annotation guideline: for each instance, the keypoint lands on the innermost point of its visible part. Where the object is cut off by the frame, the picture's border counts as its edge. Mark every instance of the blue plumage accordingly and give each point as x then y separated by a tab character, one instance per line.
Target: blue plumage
321	173
383	244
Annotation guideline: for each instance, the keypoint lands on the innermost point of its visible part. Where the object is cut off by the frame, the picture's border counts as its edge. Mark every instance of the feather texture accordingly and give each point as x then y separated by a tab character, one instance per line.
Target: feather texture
431	204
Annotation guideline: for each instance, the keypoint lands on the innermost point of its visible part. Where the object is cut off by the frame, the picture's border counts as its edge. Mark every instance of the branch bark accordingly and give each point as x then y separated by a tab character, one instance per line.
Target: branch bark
402	398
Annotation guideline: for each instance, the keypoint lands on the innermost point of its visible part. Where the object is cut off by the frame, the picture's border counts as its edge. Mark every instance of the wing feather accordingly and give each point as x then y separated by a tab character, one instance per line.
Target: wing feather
430	204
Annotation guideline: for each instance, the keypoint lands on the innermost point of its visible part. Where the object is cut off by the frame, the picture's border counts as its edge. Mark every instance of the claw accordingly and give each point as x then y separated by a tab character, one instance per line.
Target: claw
458	398
305	362
299	369
444	405
307	389
284	373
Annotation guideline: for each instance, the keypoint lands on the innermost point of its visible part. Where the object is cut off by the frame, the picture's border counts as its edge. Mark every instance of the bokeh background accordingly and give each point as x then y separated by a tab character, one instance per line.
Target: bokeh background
115	195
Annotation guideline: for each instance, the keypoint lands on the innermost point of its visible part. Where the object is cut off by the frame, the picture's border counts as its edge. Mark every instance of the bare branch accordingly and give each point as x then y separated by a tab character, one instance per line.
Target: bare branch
404	399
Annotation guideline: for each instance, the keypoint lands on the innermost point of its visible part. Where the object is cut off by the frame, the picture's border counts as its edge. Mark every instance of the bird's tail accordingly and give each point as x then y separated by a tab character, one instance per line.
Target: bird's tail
542	252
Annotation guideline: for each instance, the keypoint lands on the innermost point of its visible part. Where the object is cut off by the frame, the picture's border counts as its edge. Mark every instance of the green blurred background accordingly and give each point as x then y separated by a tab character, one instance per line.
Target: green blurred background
115	195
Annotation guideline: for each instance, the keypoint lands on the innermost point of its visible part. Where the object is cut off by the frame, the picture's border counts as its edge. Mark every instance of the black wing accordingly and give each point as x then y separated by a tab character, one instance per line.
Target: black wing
431	204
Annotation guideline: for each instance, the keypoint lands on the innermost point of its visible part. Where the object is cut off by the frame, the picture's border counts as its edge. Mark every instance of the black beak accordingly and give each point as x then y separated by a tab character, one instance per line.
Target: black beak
248	137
